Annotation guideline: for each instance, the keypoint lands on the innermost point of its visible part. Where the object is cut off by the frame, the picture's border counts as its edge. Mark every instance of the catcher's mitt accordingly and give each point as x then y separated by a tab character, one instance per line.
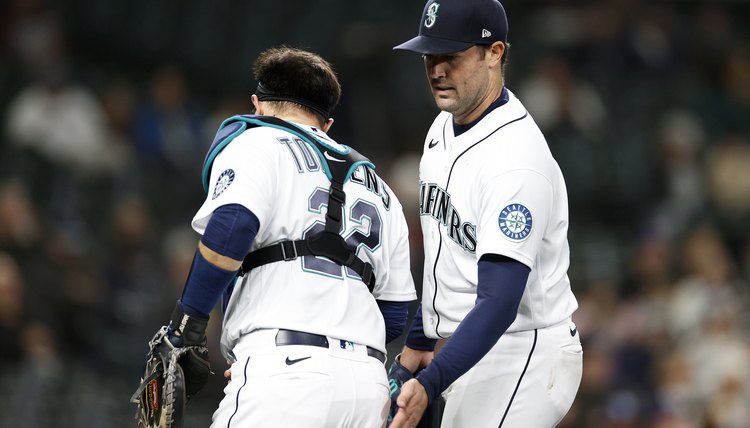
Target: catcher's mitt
176	369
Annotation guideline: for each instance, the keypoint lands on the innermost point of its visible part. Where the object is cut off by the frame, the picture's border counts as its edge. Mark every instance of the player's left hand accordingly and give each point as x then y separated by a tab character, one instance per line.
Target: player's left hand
177	367
412	403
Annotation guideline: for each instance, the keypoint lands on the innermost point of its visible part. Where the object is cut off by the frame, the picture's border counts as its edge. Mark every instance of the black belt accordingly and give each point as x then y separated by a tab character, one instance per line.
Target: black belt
293	337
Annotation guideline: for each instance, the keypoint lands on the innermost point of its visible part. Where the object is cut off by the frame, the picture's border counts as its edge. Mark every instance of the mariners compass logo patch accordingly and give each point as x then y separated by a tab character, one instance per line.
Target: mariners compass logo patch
515	222
225	179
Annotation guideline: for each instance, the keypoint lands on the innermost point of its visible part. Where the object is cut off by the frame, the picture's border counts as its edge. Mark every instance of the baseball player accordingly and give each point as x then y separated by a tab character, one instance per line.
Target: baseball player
494	213
326	282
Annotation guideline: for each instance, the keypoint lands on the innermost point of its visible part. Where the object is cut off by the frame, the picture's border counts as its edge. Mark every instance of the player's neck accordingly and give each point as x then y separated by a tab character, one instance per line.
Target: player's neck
459	129
492	94
301	118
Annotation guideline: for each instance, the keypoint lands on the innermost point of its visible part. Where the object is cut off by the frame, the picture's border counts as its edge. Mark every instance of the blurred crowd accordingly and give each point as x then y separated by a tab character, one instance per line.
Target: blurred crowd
107	108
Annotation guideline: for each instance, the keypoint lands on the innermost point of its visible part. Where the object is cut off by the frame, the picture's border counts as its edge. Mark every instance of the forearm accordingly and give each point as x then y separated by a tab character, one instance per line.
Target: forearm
463	350
499	293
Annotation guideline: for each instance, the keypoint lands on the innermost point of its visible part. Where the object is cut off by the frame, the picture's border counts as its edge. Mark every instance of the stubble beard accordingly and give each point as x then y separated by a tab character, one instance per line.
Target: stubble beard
456	105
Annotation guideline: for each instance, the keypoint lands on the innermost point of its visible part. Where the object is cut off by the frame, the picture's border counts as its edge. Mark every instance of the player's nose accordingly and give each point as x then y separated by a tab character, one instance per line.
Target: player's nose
435	69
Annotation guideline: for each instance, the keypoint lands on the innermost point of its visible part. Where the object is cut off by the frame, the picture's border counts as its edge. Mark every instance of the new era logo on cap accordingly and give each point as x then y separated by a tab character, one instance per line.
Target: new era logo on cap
449	26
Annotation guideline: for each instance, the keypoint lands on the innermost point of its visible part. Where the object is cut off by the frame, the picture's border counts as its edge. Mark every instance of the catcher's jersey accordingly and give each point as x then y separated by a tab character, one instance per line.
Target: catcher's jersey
281	180
493	189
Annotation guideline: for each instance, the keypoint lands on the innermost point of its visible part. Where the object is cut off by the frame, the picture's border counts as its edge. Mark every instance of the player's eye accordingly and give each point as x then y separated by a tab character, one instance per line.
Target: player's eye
437	59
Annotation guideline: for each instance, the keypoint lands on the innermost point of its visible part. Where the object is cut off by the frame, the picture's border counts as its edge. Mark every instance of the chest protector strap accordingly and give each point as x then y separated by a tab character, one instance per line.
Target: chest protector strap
327	243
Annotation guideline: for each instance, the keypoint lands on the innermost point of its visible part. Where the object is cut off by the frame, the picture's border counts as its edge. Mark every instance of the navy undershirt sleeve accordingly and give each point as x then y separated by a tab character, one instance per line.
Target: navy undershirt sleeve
416	338
499	290
229	232
204	286
394	314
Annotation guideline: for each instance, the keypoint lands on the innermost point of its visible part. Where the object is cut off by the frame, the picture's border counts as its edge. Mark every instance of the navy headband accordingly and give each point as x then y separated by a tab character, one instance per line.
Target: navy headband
264	94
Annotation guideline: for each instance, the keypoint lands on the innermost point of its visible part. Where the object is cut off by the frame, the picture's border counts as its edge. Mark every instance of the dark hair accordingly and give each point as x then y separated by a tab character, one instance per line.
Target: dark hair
503	60
290	75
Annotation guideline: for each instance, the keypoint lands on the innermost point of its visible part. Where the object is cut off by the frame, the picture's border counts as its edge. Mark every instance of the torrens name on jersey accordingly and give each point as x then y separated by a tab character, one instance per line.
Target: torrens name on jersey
436	202
366	177
306	160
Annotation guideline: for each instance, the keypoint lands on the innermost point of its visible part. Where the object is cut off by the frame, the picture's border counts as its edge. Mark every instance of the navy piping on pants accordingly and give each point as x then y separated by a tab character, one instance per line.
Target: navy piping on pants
519	379
237	399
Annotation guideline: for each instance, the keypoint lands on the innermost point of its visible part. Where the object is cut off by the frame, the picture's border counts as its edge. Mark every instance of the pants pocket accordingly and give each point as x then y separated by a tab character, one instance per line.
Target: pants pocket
566	376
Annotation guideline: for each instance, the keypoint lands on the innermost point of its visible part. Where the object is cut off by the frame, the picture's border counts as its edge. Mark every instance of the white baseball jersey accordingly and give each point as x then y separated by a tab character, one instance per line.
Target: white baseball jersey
493	189
280	179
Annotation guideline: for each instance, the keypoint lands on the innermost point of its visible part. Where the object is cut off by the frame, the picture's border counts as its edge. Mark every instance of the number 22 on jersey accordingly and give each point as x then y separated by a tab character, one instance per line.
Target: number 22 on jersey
365	222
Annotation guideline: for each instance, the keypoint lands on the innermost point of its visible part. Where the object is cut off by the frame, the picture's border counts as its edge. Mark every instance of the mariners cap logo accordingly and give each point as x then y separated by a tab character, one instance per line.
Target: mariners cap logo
515	222
225	179
431	15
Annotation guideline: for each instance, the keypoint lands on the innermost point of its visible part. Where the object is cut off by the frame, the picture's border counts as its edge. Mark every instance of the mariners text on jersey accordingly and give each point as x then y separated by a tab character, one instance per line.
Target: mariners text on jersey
436	202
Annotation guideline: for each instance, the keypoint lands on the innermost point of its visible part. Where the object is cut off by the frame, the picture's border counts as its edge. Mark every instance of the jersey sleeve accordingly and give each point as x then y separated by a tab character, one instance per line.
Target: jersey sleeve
243	173
515	208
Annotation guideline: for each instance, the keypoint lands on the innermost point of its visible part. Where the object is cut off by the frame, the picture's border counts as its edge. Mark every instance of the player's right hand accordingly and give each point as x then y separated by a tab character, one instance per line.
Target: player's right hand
412	403
397	376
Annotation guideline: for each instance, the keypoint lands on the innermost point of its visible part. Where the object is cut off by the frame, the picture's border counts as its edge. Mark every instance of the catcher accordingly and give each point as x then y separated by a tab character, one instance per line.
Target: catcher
309	248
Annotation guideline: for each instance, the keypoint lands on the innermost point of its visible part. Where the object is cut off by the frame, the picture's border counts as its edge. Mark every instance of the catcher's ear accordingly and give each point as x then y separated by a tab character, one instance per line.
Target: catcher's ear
257	109
328	125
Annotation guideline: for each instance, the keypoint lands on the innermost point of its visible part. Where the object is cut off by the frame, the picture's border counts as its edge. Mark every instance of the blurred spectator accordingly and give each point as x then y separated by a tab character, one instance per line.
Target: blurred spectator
681	145
35	383
11	313
170	144
227	106
29	358
19	223
60	120
557	98
728	180
168	123
710	283
136	289
720	362
32	32
734	103
118	102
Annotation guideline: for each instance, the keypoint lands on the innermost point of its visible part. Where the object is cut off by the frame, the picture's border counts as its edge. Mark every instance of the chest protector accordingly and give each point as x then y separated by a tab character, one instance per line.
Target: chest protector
327	243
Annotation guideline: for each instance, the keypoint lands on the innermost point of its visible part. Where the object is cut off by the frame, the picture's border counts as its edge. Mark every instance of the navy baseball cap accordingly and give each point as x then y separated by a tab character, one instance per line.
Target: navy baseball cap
449	26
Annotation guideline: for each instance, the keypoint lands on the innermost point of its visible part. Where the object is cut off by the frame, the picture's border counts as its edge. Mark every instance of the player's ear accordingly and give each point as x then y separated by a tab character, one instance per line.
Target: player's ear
496	52
327	125
256	105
